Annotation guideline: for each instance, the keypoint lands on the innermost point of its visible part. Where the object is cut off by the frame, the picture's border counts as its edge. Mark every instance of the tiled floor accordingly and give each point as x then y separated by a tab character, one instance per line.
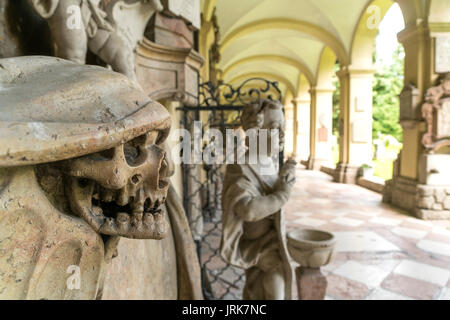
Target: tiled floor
381	252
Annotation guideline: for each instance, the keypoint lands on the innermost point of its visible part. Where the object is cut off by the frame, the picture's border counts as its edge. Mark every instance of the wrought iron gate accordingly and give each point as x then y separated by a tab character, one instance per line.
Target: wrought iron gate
220	108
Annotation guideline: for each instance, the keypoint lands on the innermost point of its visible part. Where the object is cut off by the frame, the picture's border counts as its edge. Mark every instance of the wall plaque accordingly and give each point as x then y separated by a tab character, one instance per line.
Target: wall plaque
436	113
443	120
442	54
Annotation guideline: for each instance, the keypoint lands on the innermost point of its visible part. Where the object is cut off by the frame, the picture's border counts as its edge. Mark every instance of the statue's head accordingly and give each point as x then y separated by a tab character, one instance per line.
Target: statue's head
96	140
265	114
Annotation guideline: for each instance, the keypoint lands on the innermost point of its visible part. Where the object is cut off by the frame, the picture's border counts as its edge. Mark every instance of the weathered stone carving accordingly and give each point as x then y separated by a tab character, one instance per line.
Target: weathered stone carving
80	165
436	112
253	235
129	175
130	17
97	31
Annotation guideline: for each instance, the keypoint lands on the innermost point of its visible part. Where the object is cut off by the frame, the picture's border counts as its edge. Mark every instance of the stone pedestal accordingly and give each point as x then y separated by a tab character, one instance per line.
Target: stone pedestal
345	173
311	283
167	72
427	198
316	164
429	202
433	202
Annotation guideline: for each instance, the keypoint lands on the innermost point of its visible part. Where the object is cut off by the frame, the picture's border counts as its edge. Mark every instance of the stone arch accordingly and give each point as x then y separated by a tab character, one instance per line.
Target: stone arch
365	33
301	26
278	58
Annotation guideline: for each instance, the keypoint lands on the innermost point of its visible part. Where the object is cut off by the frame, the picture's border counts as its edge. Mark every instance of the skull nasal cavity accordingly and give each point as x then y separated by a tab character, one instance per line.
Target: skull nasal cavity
136	178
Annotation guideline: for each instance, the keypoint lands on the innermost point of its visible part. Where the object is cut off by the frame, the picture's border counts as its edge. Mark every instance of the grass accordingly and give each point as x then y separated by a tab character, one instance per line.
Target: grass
383	168
335	153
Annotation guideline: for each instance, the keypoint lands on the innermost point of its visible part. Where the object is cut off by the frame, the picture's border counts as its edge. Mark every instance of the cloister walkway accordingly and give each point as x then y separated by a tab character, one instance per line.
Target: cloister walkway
381	253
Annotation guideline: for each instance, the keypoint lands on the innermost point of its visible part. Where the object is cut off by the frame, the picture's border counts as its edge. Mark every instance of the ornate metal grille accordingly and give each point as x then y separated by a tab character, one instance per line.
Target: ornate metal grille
220	108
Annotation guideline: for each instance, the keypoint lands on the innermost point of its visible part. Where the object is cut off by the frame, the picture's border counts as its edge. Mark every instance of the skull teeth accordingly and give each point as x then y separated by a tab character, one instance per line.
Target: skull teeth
107	195
127	213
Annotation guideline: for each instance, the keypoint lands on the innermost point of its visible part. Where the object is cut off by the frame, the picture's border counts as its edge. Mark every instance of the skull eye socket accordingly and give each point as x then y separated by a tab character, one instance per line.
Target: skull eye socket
108	154
162	136
83	182
133	154
104	155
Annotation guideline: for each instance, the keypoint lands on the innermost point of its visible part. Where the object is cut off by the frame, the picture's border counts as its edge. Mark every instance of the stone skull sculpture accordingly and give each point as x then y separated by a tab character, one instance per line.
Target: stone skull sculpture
118	191
82	163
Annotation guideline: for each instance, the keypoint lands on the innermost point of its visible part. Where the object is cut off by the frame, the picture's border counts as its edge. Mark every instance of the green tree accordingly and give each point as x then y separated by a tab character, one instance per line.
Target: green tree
387	85
336	99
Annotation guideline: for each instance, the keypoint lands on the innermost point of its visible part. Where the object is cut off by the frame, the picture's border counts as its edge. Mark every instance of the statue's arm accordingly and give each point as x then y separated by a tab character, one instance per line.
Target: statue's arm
257	208
252	207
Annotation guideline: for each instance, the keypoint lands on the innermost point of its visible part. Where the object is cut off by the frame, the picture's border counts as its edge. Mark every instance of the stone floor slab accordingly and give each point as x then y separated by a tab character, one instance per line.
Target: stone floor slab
381	294
369	275
410	287
347	222
423	272
310	222
362	241
434	247
385	221
409	232
445	294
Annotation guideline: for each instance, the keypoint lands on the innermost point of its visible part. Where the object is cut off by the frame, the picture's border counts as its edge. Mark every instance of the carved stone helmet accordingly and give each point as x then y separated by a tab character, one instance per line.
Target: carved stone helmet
95	134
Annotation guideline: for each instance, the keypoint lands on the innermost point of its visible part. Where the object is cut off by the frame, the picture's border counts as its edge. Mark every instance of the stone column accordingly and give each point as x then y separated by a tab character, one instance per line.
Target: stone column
302	105
321	126
290	130
421	180
355	122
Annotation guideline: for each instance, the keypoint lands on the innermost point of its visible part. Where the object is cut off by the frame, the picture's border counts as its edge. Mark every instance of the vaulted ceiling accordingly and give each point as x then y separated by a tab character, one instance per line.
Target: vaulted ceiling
286	38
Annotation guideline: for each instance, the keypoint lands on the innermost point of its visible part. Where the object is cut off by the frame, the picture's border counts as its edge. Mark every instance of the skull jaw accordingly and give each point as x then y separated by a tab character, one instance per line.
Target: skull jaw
142	223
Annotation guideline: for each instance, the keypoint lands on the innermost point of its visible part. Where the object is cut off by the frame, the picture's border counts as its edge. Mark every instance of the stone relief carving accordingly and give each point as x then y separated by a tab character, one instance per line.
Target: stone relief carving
103	34
436	112
253	235
131	17
81	165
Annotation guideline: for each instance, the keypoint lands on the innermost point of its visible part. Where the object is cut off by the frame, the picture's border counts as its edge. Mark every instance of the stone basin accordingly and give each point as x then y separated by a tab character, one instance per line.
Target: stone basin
311	248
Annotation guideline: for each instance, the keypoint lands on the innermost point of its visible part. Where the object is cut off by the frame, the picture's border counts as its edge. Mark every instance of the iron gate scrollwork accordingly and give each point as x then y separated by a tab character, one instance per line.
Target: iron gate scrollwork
220	107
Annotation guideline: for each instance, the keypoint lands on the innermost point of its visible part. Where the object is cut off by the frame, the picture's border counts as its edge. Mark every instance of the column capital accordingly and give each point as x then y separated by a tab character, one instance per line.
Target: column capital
346	71
315	90
301	100
411	33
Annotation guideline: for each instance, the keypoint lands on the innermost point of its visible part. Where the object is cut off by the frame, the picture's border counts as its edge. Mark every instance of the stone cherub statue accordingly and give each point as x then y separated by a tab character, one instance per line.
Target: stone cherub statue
253	234
90	27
